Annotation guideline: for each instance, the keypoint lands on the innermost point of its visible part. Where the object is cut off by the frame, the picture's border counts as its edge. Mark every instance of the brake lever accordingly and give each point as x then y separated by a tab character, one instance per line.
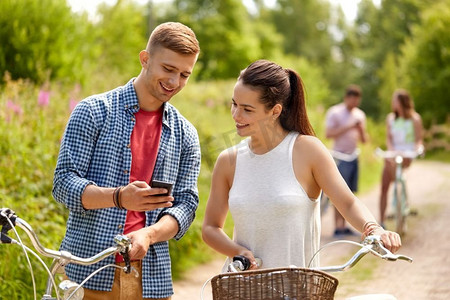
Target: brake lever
126	258
125	242
384	253
404	257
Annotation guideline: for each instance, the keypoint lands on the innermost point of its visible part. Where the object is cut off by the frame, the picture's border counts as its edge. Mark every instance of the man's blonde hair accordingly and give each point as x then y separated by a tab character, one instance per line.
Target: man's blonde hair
174	36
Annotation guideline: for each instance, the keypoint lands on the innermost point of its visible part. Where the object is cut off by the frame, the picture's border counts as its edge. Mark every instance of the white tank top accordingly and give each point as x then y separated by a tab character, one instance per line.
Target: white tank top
273	216
402	132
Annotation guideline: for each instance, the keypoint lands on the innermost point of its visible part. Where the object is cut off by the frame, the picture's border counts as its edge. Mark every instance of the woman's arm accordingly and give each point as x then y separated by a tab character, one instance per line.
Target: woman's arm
328	178
418	130
217	208
389	119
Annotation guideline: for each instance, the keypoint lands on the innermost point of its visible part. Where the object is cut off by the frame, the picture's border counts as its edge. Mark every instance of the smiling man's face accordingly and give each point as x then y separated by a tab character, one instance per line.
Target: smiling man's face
164	73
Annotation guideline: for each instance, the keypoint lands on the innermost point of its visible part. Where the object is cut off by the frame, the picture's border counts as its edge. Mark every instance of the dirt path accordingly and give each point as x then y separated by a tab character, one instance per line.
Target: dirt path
427	242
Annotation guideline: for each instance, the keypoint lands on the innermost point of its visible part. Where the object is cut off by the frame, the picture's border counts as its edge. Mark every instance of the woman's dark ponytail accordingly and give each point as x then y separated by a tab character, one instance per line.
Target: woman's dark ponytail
296	117
280	86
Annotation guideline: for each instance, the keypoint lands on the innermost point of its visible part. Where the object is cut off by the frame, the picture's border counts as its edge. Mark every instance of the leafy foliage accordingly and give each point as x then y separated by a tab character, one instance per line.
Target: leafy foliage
28	149
120	35
304	25
229	41
426	63
41	39
378	33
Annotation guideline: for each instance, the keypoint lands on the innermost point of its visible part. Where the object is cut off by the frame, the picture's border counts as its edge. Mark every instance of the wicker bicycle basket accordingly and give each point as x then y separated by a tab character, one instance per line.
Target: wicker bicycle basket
275	283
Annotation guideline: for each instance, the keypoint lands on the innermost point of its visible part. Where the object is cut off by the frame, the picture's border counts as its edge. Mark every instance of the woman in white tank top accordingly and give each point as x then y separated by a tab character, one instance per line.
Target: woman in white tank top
404	133
271	181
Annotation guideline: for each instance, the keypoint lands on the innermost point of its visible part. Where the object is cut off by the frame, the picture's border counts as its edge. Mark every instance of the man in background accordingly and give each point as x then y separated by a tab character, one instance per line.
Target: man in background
346	125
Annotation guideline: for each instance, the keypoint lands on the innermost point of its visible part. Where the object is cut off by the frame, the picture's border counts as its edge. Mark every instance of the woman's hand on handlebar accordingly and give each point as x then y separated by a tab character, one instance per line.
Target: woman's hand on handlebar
391	240
248	254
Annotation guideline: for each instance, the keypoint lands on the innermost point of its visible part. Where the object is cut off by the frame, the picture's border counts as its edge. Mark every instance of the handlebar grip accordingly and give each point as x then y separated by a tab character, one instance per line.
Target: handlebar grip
7	217
242	262
5	214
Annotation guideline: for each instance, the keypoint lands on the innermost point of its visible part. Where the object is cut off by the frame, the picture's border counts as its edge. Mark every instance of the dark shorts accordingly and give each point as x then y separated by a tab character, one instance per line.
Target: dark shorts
349	171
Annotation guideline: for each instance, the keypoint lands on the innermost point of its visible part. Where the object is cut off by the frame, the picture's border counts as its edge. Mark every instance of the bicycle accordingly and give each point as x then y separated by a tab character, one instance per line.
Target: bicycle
400	205
337	156
296	283
68	288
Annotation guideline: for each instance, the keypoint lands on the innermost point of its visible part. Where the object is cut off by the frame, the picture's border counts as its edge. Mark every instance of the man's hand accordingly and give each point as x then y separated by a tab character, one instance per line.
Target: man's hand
163	230
141	240
139	196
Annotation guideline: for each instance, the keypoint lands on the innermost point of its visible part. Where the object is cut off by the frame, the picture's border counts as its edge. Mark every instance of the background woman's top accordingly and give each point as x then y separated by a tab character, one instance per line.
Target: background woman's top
402	134
272	214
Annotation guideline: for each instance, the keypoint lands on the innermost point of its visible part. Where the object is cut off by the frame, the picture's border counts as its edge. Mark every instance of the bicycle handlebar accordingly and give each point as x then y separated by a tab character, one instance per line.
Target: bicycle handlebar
397	153
372	244
8	220
123	243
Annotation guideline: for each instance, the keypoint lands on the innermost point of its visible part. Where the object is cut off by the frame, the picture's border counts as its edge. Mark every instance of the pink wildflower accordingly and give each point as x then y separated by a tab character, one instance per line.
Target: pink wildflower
44	97
14	108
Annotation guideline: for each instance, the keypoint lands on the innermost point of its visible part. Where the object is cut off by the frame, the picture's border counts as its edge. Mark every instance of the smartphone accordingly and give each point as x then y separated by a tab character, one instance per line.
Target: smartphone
161	184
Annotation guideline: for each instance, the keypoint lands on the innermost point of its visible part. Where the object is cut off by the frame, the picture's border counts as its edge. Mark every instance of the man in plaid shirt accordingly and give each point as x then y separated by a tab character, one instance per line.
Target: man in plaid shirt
114	145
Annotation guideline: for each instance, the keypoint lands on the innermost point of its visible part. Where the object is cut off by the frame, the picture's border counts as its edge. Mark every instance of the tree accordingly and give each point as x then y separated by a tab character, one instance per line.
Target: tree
304	26
121	33
40	38
228	39
389	75
379	31
426	63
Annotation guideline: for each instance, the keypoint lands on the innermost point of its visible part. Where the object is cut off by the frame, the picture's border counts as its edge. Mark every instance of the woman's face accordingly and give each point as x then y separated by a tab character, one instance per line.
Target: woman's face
249	114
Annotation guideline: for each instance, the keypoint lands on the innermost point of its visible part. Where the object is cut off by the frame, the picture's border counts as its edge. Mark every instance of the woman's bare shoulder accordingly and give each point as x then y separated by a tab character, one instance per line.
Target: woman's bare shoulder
416	117
227	158
309	144
390	116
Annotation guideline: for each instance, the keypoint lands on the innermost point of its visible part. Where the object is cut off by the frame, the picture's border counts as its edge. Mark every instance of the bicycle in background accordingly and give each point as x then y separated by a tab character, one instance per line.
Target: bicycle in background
400	205
67	288
296	283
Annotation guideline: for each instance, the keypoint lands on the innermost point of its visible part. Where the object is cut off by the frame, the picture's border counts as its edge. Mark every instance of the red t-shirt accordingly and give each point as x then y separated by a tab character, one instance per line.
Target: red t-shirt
144	149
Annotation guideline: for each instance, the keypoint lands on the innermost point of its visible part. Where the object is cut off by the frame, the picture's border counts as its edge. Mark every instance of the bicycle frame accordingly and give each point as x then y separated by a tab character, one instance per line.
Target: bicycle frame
400	197
8	220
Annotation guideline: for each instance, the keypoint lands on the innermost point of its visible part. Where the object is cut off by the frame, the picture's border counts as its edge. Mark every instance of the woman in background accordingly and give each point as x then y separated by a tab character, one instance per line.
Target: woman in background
404	133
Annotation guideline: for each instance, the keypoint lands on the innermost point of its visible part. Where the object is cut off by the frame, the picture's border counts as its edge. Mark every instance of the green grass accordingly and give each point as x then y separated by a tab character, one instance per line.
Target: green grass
438	155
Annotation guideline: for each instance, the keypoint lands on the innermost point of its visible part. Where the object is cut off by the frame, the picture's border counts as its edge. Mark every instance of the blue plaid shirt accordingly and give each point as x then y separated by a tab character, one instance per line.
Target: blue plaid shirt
96	150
